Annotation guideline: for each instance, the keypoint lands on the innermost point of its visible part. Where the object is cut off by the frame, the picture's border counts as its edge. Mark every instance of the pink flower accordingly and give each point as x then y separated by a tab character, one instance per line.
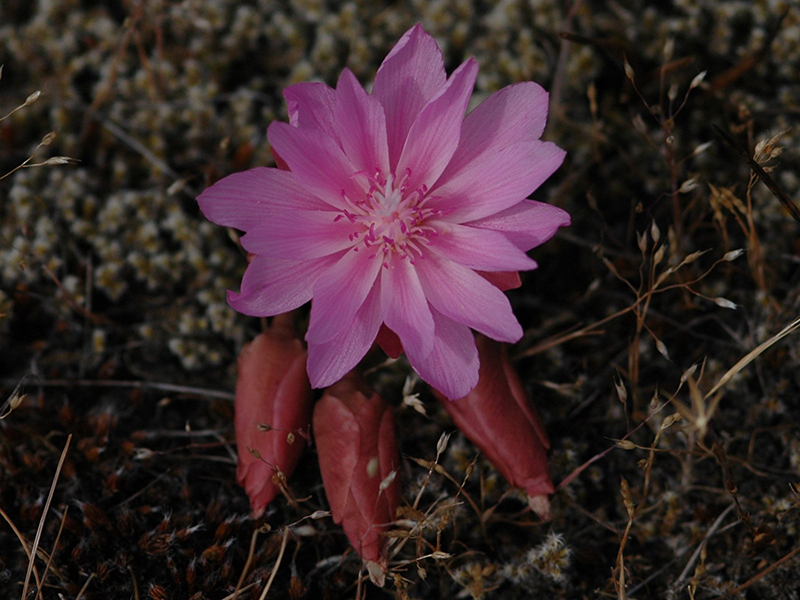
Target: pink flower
272	389
358	457
397	210
499	418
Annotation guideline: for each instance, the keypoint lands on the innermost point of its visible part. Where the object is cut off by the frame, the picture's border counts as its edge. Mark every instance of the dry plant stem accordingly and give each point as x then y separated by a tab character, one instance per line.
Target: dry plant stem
754	257
135	585
360	582
277	564
32	556
761	574
142	385
561	67
244	589
630	508
23	543
95	319
85	586
247	564
693	559
752	355
53	551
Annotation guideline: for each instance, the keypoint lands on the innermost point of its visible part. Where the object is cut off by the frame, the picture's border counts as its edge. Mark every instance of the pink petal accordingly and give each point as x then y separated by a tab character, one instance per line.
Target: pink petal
473	248
361	125
299	234
526	224
340	292
452	365
407	79
310	104
405	309
516	113
244	199
317	162
434	136
496	181
328	362
465	297
272	286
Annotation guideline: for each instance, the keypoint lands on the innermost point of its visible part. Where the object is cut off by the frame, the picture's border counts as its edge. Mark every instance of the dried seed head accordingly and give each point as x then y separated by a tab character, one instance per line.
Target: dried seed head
733	254
688	185
669	47
672	92
688	373
32	98
639	124
671	420
725	303
60	160
655	232
702	148
626	497
441	445
628	70
659	255
698	79
641	241
622	393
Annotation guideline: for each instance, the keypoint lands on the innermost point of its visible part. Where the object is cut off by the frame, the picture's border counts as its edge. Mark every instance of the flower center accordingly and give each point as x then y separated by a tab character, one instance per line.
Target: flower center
390	218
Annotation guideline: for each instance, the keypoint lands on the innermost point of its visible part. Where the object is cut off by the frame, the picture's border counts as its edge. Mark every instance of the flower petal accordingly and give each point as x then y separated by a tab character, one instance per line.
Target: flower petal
408	78
473	248
526	224
340	292
299	234
516	113
317	162
464	296
310	104
452	365
361	125
244	199
328	362
405	309
434	136
272	286
494	182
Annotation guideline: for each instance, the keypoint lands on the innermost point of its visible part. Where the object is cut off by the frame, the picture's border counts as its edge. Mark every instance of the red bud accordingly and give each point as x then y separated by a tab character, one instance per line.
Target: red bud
273	400
358	459
499	418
